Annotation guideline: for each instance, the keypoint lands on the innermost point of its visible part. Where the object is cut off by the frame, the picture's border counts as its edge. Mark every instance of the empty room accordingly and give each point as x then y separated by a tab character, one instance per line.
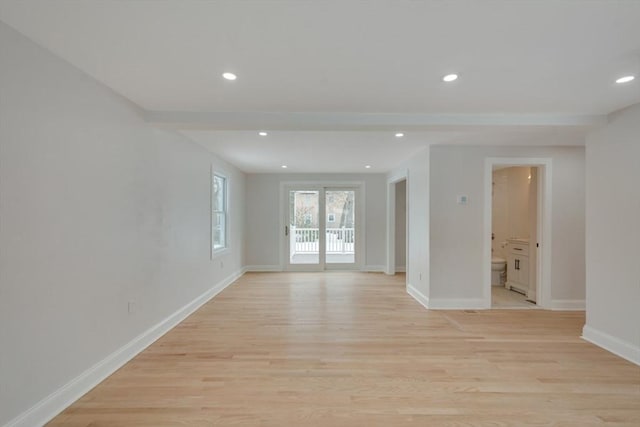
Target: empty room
319	213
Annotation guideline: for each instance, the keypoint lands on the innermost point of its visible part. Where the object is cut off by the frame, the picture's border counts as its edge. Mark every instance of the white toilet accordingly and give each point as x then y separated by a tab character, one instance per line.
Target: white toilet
498	266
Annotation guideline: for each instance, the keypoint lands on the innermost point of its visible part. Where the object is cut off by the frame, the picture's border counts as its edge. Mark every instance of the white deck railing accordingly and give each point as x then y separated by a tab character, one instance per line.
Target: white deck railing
307	240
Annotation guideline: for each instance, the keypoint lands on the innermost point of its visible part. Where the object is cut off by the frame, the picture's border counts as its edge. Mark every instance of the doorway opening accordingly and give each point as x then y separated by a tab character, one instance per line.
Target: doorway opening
513	232
517	232
322	228
401	230
401	227
398	225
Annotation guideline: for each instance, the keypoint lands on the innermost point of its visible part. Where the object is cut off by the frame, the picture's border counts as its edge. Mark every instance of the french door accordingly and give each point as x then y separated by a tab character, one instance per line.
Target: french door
322	228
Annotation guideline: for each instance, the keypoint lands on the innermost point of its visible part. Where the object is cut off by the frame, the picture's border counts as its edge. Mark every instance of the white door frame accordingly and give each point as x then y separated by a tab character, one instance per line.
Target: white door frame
543	215
322	186
391	222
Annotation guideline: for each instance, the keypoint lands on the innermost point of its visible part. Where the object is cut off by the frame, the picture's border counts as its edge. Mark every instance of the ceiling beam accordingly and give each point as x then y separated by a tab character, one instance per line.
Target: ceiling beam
362	121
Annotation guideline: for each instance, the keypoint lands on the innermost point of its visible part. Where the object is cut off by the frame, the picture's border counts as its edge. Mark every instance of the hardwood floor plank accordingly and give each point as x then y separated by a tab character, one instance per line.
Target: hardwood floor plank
353	349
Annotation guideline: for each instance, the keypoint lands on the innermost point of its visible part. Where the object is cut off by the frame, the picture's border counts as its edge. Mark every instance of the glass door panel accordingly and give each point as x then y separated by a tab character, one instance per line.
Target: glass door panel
322	229
340	207
304	227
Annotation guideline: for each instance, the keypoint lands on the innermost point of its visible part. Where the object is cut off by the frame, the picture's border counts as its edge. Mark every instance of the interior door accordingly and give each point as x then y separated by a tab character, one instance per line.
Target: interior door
320	228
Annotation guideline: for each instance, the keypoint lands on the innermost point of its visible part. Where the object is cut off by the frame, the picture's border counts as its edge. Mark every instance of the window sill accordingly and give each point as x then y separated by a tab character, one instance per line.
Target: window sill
216	253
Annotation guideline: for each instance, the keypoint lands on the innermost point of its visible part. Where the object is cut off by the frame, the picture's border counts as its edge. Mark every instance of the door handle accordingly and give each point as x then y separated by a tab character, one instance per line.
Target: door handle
286	230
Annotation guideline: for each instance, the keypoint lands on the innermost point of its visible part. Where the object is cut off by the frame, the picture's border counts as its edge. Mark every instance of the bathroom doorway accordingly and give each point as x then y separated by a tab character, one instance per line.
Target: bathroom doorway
513	222
517	209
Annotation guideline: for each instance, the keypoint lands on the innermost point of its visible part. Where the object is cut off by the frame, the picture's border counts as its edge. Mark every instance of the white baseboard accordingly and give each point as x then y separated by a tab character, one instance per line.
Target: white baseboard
271	268
263	268
568	304
610	343
418	296
56	402
401	269
457	304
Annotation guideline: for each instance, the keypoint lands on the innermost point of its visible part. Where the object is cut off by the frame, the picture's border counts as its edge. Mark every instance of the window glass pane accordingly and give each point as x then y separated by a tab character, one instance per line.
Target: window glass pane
340	241
304	222
219	189
219	230
219	212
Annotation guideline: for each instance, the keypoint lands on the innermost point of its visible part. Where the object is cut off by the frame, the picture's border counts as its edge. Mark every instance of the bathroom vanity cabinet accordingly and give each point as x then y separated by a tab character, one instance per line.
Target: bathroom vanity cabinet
518	266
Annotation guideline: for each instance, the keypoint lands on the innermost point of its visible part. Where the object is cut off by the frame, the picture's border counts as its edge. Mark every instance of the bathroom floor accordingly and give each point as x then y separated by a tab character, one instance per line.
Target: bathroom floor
504	298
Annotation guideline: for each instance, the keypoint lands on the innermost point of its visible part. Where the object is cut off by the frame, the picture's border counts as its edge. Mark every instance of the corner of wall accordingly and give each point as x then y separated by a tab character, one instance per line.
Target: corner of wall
418	296
626	350
56	402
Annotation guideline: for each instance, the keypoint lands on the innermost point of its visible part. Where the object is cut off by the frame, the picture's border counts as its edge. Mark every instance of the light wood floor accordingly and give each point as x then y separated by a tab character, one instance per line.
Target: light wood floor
502	297
353	349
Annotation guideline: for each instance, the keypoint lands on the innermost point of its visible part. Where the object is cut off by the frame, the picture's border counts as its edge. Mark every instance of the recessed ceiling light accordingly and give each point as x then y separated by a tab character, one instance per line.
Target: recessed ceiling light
283	166
625	79
262	133
229	76
450	78
368	166
399	135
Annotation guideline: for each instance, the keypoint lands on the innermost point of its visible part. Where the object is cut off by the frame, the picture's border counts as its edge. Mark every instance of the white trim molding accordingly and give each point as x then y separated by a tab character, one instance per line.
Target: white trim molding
457	304
418	296
374	268
56	402
621	348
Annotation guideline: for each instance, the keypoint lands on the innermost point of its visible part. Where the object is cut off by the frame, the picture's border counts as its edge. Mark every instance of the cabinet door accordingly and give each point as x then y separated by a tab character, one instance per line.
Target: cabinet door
523	273
512	273
515	276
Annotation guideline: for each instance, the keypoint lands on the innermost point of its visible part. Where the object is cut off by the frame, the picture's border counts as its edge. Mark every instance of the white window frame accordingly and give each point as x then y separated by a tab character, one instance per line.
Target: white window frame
217	251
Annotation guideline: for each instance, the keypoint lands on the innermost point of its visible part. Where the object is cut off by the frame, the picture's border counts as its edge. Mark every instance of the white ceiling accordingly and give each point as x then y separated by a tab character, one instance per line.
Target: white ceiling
541	58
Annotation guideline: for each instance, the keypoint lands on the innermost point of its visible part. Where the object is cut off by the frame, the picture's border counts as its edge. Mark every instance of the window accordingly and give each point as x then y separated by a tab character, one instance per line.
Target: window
331	217
219	213
307	219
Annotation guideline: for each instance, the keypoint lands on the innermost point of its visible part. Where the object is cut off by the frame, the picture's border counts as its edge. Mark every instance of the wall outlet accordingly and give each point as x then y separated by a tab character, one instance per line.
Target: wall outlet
420	276
463	199
131	307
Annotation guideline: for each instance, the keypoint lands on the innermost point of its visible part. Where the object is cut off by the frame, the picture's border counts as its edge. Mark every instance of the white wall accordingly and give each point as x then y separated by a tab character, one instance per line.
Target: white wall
457	230
263	216
613	235
401	225
518	201
97	209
